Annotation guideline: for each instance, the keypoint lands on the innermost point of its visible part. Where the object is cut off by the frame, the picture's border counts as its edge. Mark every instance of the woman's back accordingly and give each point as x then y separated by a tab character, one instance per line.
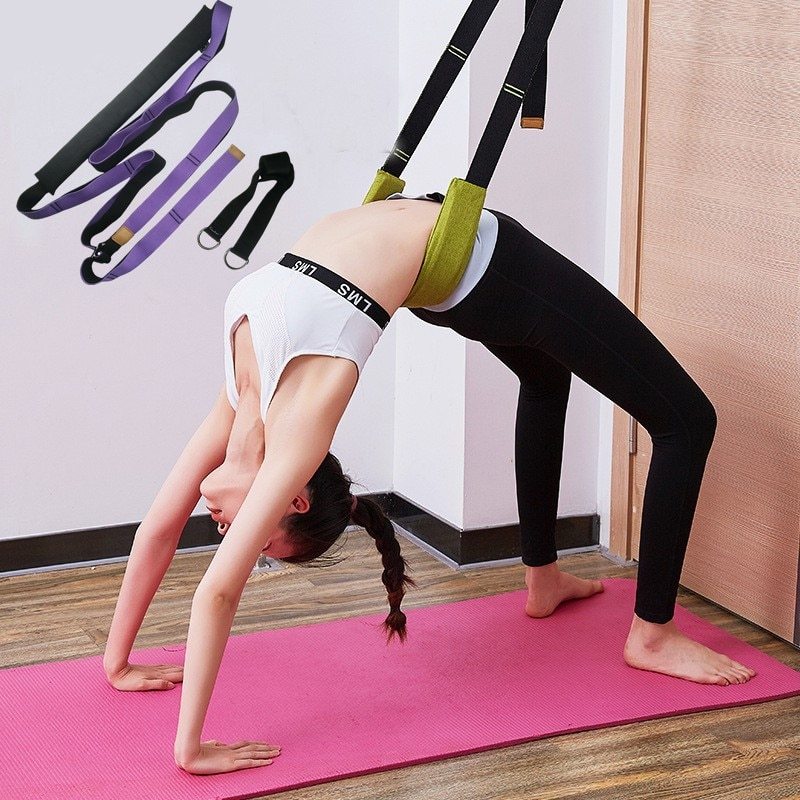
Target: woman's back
379	246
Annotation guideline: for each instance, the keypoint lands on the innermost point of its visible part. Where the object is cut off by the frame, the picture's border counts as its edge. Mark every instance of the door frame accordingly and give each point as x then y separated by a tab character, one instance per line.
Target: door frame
621	531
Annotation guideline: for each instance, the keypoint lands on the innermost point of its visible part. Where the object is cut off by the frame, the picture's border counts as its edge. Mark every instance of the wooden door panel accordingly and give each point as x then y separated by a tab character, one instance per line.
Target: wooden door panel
719	281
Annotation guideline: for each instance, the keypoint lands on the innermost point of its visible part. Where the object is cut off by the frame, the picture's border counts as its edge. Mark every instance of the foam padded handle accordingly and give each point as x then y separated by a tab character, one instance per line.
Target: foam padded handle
384	184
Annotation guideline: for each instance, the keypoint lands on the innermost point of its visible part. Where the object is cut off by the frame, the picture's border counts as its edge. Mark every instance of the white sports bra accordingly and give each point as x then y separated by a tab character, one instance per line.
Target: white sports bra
292	314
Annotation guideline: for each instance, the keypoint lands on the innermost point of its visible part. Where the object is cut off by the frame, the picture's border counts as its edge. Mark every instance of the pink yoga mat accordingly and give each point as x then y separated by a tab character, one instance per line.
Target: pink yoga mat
473	675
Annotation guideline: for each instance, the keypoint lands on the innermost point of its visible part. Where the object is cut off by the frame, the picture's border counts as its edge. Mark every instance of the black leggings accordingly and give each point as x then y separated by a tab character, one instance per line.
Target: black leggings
545	318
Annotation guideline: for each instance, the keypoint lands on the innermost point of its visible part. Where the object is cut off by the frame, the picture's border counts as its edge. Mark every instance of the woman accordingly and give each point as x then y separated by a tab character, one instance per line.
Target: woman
261	457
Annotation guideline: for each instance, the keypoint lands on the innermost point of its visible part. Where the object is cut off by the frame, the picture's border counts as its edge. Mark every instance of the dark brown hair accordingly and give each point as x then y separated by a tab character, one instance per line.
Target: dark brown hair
316	530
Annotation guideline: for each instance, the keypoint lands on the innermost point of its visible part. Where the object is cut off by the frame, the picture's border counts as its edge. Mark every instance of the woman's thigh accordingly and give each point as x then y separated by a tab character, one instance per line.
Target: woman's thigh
532	296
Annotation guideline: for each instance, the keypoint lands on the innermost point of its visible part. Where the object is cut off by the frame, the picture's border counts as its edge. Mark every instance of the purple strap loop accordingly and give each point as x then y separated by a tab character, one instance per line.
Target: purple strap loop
168	224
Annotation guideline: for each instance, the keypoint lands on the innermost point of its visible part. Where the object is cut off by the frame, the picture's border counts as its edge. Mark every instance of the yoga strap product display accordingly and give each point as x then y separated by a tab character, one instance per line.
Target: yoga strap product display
452	239
274	166
106	147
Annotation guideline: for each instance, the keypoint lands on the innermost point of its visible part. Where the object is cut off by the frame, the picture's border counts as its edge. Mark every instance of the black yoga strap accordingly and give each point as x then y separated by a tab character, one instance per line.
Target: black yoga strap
274	166
519	78
191	39
534	101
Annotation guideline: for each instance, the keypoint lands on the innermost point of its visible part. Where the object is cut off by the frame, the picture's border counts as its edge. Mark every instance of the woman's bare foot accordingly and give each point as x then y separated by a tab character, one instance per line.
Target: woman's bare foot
548	587
663	648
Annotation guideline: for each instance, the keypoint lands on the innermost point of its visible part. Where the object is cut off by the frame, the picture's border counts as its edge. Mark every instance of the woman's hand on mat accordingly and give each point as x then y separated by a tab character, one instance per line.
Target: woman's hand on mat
215	756
146	677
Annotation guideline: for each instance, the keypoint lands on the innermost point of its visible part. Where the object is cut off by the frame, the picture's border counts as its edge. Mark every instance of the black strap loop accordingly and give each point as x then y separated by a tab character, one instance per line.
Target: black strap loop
273	166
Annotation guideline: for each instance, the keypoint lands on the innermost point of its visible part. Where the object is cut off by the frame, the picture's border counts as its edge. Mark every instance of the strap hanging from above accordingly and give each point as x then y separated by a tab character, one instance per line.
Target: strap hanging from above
519	84
518	79
453	236
533	103
273	166
447	68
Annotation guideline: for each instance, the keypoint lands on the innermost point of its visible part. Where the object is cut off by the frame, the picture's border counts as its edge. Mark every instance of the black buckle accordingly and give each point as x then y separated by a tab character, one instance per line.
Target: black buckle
102	252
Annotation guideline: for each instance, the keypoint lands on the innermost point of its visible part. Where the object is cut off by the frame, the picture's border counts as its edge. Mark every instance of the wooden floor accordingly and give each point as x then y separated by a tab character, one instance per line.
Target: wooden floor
744	753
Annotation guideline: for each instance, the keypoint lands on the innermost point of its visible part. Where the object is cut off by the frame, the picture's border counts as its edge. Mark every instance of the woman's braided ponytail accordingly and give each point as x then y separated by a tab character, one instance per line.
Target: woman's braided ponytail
332	508
370	516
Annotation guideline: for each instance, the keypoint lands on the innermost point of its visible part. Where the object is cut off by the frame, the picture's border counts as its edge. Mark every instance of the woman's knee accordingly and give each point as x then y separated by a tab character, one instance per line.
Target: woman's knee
692	419
701	419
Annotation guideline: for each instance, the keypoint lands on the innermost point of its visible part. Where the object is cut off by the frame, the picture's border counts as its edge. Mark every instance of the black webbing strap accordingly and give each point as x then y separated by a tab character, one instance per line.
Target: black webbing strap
518	80
533	104
532	115
438	85
192	38
274	166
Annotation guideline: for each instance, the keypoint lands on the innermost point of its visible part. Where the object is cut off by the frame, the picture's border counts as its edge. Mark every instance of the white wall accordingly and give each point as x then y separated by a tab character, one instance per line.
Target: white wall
103	385
429	381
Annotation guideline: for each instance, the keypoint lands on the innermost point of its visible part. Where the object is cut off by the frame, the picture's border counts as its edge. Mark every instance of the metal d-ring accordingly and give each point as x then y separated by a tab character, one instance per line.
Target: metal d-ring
225	259
216	242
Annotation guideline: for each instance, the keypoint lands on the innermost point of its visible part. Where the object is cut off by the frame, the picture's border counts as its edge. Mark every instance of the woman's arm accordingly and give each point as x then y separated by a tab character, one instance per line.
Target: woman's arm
299	440
158	535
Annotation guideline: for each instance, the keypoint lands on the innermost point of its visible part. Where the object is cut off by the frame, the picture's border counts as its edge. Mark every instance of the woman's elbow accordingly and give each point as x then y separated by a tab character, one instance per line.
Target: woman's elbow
215	598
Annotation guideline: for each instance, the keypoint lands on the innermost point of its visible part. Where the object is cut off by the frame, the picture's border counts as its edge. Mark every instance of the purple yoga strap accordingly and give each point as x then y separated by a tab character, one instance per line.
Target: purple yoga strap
167	225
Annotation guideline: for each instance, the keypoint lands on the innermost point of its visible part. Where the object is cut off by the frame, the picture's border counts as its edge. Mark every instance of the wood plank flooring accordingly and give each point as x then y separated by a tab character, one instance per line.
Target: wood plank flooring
744	753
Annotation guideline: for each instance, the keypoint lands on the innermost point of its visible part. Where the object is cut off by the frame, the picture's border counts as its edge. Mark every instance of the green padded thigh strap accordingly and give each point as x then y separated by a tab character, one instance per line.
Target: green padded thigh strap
384	184
450	244
451	241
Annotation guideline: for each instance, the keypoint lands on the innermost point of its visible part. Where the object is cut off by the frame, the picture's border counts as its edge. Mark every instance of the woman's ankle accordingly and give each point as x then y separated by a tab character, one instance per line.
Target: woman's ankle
650	633
543	569
535	576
